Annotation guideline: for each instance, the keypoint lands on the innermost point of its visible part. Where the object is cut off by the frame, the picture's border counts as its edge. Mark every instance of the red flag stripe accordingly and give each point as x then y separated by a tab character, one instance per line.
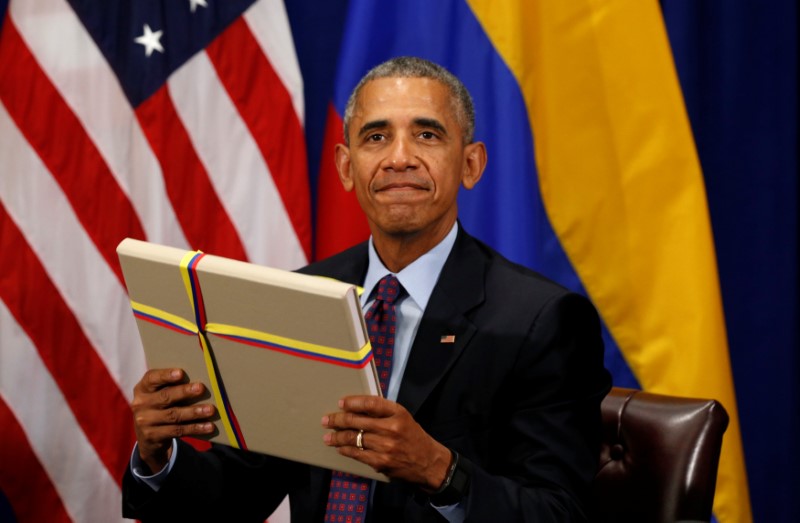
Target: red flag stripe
266	108
205	223
340	222
93	396
269	25
40	113
234	164
35	499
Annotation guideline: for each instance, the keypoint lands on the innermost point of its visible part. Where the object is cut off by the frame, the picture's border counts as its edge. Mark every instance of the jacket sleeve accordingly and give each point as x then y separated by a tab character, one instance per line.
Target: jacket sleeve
218	484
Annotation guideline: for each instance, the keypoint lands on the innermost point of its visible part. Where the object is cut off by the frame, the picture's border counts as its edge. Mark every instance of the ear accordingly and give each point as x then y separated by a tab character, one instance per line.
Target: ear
342	158
474	164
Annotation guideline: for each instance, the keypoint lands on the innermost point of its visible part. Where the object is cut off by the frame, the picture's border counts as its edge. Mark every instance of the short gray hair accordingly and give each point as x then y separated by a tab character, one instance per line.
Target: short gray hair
413	67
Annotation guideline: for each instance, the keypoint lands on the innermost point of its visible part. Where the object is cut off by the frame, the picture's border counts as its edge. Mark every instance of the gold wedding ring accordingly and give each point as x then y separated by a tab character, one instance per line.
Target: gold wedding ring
360	440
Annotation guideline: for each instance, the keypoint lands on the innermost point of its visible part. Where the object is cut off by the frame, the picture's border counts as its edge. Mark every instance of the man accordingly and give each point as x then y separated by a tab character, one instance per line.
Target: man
492	407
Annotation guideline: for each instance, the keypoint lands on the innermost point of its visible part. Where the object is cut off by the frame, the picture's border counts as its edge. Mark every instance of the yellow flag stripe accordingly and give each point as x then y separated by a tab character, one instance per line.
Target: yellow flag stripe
623	189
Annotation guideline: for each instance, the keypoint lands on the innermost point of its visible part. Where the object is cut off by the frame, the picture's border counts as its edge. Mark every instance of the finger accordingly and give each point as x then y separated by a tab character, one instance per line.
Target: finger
374	406
342	438
154	428
348	420
177	394
371	405
377	459
346	443
362	412
168	397
146	418
153	435
154	379
183	415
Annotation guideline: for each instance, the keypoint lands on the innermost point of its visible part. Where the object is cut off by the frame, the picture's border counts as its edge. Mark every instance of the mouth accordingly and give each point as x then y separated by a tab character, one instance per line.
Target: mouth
397	184
401	186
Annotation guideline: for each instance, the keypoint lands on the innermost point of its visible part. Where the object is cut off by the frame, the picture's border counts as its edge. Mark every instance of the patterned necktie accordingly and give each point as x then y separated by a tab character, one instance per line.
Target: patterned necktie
349	494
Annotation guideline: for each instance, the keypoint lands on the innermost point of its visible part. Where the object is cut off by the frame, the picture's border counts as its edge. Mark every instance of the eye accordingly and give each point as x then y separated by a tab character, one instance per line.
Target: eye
427	135
376	137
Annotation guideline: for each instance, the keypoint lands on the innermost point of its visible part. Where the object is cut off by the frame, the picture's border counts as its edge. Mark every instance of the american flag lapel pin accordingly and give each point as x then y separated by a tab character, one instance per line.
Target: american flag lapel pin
449	338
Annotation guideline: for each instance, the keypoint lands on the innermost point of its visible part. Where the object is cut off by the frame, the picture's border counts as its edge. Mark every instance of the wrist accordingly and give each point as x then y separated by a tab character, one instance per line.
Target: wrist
156	459
455	485
437	470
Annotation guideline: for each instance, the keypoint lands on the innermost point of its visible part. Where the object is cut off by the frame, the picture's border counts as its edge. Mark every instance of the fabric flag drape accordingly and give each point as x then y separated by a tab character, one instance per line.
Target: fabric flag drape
175	122
593	177
647	259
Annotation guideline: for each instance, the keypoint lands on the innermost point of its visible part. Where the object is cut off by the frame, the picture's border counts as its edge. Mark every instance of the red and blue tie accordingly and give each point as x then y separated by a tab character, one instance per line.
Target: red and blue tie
349	494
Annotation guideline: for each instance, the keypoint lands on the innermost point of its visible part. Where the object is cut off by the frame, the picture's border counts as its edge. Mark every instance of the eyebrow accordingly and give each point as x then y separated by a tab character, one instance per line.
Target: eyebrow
421	122
432	123
375	124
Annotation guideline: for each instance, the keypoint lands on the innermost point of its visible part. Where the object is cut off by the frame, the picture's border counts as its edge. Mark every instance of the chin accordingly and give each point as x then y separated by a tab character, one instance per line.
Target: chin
400	230
399	226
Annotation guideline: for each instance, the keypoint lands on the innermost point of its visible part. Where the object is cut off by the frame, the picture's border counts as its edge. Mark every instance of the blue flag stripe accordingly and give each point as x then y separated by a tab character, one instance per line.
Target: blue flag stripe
449	34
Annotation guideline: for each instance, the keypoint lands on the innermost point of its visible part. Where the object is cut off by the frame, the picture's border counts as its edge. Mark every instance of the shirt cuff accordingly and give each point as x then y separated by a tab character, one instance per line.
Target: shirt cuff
452	513
154	481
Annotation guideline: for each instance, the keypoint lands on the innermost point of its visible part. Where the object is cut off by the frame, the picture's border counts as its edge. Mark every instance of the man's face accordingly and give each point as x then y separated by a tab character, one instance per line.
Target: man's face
406	158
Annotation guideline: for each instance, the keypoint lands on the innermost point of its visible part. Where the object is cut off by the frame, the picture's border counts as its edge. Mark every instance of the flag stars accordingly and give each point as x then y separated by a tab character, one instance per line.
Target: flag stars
151	40
194	3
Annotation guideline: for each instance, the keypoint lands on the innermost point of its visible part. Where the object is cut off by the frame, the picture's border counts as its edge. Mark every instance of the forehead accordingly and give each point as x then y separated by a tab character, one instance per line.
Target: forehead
393	98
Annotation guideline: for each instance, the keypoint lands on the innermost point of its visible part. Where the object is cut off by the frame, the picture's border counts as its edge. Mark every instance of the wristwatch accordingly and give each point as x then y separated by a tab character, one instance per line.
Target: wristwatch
455	485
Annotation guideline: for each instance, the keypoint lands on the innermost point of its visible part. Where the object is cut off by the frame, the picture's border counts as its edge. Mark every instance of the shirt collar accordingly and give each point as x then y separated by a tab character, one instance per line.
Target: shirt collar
419	277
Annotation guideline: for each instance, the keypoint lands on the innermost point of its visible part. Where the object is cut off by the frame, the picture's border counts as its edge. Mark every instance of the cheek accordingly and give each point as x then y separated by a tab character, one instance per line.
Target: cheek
363	193
448	185
449	170
360	178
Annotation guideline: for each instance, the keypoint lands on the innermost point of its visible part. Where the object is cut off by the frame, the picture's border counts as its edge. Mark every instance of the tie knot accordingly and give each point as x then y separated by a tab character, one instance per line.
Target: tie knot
388	289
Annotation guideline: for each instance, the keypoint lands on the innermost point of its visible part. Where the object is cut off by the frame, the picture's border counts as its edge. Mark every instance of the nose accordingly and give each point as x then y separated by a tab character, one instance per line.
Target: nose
401	155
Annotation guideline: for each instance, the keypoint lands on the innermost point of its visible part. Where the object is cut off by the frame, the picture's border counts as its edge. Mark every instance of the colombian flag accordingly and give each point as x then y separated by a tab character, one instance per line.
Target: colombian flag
593	177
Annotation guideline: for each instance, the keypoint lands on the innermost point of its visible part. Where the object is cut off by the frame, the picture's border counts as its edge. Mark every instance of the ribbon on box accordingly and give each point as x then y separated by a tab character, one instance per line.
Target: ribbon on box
201	328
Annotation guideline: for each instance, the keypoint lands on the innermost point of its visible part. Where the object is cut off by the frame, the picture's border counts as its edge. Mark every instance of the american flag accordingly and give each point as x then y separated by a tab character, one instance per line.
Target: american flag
174	121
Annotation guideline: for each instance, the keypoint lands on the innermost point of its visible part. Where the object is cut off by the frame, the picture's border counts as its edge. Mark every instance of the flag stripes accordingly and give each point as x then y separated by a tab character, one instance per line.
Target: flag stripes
266	108
100	106
79	477
16	454
34	202
623	154
49	323
269	25
340	222
187	182
40	112
191	166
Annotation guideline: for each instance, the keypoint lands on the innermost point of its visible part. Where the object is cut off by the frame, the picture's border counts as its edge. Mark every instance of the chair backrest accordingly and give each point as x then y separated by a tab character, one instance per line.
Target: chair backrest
659	457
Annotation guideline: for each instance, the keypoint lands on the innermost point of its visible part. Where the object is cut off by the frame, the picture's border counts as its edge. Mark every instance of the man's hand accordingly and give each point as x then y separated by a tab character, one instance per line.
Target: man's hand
159	414
393	443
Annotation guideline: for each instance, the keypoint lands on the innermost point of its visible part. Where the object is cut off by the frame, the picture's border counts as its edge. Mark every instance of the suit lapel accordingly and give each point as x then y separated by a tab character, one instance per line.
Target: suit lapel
460	288
319	486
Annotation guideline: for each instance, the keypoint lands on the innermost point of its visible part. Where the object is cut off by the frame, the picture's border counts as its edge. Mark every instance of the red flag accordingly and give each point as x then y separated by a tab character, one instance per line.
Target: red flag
340	221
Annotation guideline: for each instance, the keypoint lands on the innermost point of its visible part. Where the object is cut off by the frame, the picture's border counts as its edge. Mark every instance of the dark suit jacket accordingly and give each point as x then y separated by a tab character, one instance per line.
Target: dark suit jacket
517	395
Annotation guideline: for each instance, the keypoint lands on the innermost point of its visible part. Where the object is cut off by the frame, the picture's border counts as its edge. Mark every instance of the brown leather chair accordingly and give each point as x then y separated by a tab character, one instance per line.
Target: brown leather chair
658	461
